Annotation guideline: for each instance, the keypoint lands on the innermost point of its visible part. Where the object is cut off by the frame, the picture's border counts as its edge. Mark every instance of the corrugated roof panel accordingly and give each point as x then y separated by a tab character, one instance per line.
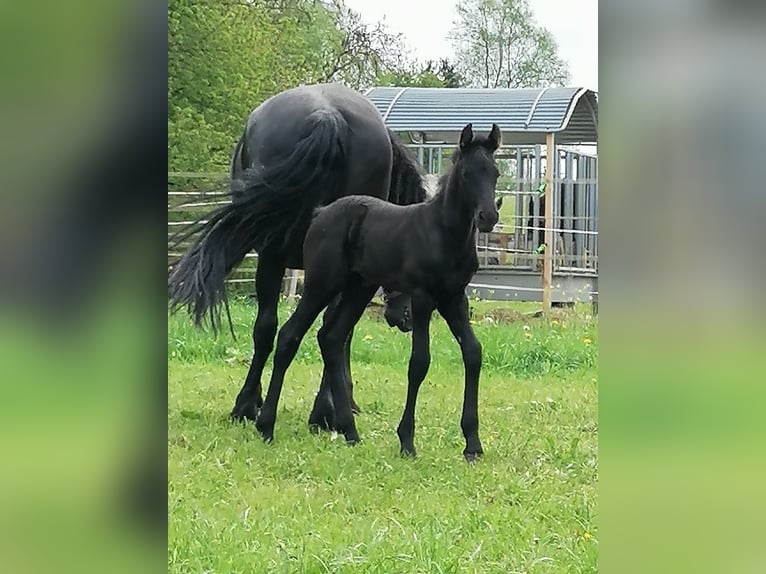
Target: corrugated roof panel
447	110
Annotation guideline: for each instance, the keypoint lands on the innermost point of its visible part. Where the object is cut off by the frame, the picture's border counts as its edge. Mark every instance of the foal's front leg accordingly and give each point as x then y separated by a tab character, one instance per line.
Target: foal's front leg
455	313
420	360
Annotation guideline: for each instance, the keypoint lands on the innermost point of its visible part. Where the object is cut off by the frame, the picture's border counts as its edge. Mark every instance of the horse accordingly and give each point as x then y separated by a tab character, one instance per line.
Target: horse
301	149
428	250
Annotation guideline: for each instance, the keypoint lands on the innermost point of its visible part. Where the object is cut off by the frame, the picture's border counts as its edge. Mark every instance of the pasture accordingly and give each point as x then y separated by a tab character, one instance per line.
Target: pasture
309	503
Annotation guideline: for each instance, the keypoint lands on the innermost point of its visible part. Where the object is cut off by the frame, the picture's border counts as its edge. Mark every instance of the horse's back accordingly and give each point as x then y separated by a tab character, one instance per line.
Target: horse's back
276	126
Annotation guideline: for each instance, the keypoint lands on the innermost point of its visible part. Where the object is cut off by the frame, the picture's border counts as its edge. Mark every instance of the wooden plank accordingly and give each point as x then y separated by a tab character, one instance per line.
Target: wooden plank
550	248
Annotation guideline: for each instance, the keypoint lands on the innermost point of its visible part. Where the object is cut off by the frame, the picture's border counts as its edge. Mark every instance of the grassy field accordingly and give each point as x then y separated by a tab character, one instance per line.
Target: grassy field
309	503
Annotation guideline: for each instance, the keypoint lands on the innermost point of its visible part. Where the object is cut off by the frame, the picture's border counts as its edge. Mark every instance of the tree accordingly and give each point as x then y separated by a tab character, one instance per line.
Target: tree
227	56
429	75
224	58
498	44
358	53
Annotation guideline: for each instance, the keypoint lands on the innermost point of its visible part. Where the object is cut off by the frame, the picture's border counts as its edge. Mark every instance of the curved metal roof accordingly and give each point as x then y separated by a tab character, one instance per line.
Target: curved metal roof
525	115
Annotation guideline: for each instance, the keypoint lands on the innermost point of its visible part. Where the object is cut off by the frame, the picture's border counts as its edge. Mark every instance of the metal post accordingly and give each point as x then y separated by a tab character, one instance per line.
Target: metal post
519	228
595	210
550	156
580	212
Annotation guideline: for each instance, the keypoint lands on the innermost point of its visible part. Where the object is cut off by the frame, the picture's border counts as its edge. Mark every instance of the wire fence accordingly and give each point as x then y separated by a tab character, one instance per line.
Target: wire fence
516	243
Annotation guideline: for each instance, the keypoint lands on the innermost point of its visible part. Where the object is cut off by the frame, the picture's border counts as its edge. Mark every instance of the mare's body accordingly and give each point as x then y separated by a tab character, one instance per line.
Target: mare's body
427	250
301	149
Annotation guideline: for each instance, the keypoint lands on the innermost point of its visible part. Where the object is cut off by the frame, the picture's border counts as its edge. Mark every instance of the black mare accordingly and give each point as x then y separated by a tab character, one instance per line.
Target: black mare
302	148
427	250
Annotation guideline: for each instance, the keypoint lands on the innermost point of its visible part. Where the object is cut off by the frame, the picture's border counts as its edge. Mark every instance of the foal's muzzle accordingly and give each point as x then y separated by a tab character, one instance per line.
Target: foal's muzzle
397	312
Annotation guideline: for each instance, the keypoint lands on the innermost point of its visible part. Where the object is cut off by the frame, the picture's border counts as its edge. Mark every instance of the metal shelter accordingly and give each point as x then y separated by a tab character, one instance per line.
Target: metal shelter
549	180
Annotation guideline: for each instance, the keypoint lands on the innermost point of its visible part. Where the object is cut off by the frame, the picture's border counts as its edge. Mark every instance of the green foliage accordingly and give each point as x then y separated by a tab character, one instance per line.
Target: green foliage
498	44
226	57
513	344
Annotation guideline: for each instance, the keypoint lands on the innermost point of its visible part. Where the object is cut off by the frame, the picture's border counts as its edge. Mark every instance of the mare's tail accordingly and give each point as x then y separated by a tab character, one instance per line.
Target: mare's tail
267	205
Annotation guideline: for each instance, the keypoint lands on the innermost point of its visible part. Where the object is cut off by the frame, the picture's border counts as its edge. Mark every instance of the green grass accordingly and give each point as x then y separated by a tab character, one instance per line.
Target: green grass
309	503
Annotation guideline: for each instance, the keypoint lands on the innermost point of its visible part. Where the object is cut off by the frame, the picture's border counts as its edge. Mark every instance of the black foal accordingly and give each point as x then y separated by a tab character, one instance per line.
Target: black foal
427	250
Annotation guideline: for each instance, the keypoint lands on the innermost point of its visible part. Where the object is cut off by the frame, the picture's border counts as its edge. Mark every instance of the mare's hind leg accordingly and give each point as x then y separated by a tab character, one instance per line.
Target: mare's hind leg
268	282
333	337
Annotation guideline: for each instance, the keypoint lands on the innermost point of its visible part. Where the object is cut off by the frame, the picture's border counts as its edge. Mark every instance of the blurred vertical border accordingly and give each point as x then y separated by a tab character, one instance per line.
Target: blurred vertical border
83	161
681	393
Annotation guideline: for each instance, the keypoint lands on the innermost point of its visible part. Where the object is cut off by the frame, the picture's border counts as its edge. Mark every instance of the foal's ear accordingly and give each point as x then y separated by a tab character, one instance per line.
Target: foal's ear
495	138
466	136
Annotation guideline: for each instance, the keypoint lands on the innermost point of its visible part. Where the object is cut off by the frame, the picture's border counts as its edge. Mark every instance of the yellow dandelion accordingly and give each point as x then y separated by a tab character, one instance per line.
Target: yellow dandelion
528	335
554	322
587	341
367	338
586	536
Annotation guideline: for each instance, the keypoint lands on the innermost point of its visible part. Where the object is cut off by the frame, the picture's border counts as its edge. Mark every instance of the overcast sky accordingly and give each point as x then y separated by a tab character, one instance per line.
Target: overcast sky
426	24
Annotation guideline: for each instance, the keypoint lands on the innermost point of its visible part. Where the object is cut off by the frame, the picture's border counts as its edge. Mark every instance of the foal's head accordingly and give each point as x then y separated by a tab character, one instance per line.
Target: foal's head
477	174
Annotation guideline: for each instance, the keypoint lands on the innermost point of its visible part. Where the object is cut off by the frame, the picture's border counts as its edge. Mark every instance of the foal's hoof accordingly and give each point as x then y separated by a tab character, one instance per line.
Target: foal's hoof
408	453
355	409
472	456
266	431
268	437
353	440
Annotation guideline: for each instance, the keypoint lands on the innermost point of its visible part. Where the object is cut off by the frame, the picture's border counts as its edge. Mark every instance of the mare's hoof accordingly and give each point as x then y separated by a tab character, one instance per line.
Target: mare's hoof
472	456
317	424
241	413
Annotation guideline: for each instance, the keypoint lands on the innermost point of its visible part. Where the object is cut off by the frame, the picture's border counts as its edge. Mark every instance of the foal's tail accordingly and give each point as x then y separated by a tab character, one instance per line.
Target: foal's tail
407	185
267	206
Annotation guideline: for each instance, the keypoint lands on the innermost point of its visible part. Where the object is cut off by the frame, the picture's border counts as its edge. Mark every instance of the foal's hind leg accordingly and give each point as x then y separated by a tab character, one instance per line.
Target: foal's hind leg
333	337
290	337
322	415
323	412
268	282
455	313
349	381
420	360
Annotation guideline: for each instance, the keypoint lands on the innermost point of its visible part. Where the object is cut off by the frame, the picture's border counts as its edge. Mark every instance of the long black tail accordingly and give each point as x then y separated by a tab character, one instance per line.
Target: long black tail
267	206
407	174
